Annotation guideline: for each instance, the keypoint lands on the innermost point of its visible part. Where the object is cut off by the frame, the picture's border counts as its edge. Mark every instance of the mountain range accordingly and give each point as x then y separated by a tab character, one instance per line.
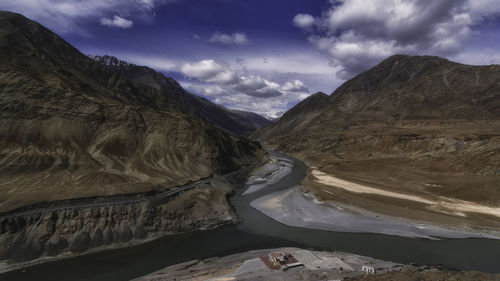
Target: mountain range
172	95
73	126
419	125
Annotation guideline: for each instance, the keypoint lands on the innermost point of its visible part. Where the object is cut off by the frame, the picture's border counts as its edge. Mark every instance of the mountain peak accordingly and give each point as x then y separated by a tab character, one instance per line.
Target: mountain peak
404	59
318	94
22	37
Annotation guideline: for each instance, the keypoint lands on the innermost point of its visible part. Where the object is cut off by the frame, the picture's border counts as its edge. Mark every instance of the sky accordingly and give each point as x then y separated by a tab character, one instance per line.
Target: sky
266	56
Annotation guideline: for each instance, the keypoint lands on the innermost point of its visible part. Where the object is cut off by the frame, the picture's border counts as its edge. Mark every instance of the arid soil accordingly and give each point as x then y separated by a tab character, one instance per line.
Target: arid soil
413	125
437	164
297	207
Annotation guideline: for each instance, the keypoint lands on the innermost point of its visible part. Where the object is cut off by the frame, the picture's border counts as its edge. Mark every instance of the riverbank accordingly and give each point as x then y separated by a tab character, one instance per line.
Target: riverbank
256	265
258	231
64	230
297	207
308	265
269	174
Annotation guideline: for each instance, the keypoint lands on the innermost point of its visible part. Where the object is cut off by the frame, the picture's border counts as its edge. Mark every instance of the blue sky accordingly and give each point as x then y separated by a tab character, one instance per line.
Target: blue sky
267	55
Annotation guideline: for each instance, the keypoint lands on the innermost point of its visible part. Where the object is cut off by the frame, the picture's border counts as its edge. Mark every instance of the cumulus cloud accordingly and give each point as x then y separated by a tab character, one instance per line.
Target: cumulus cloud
236	100
212	72
304	20
224	77
257	86
356	34
295	86
117	21
72	15
252	85
229	39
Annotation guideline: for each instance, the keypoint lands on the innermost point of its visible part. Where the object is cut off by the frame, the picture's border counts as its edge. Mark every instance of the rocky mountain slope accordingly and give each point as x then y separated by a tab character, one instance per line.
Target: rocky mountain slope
25	239
171	95
414	124
73	128
256	119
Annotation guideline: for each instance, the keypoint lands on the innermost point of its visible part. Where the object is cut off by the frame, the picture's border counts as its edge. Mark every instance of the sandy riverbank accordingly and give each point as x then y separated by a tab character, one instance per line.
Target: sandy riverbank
272	172
447	205
295	207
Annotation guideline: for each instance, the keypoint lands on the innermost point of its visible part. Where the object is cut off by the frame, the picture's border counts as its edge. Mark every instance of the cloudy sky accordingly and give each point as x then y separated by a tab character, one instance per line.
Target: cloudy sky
267	55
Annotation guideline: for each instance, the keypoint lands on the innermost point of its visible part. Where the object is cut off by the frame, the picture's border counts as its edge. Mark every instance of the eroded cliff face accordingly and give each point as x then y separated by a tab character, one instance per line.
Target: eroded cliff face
68	232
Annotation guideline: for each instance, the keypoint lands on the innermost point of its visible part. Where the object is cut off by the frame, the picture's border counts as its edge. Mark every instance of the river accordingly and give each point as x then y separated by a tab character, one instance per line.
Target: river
257	232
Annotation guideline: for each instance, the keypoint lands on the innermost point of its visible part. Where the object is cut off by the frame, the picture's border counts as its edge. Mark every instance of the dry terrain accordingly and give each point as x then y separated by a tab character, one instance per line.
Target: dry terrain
421	127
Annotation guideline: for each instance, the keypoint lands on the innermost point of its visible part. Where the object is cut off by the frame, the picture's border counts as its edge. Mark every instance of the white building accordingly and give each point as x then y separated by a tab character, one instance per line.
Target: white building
368	269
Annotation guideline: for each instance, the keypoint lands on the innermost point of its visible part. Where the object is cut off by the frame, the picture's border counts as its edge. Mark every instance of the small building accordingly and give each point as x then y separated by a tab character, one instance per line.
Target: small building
280	260
369	269
277	258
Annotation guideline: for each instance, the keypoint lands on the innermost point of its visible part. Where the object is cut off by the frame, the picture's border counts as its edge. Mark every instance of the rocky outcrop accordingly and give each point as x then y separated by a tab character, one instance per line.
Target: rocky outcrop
78	230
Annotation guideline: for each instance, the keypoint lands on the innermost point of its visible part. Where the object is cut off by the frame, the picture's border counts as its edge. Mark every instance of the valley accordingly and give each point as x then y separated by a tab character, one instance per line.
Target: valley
258	231
390	128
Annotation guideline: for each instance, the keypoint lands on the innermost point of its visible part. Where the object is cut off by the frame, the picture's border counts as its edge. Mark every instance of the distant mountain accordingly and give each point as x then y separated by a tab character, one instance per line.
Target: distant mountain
401	88
170	94
408	121
72	127
297	116
256	119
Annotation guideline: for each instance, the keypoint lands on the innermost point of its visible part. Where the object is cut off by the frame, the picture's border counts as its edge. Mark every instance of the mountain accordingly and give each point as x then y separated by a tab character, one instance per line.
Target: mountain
297	116
256	119
169	94
72	127
406	88
415	124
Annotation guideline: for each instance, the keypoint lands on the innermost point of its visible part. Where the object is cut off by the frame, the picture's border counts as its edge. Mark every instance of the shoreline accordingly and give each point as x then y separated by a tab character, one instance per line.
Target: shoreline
7	267
254	265
224	183
306	264
270	173
455	206
295	207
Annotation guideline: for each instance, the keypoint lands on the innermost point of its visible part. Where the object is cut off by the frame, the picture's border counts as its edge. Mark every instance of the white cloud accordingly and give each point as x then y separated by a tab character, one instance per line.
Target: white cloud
241	101
257	86
229	39
356	34
290	62
212	72
117	21
72	15
242	90
295	86
261	80
304	20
